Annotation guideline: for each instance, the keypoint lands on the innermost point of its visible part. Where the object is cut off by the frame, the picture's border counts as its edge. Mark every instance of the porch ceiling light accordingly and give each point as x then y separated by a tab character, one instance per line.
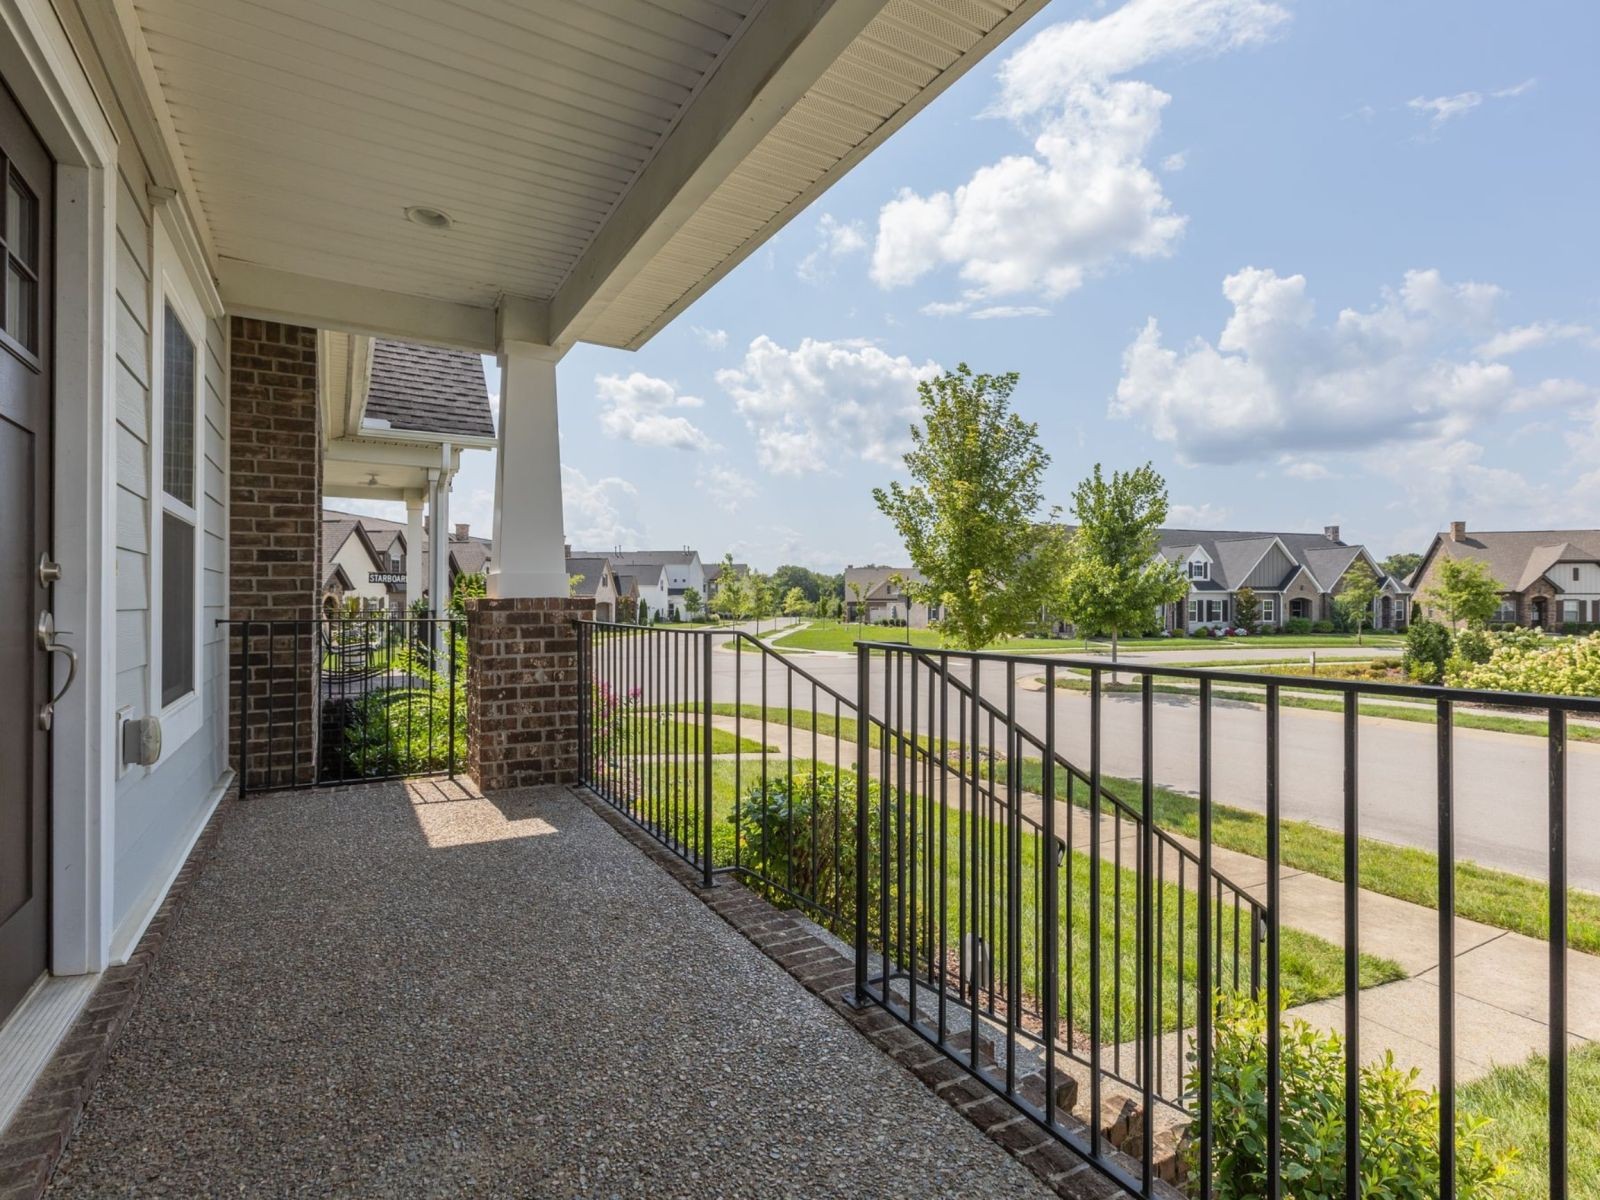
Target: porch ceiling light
429	218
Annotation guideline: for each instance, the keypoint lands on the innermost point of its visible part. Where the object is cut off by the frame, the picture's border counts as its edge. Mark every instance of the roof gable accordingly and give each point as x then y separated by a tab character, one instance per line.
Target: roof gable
427	389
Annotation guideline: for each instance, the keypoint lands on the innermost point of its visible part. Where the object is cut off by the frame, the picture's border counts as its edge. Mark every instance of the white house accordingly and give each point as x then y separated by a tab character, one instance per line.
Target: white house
219	215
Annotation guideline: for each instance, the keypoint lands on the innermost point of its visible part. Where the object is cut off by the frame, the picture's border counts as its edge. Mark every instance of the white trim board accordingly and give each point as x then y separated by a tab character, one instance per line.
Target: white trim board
33	1031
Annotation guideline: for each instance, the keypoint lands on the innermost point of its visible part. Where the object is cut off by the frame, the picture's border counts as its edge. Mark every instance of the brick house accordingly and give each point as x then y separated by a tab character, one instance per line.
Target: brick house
1549	578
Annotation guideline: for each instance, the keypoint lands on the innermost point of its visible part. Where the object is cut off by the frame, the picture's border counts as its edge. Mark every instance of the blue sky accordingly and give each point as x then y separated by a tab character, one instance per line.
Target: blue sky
1322	263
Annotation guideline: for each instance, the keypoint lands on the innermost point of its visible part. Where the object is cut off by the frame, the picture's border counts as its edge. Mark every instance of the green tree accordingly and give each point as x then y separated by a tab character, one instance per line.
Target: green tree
1401	566
897	583
856	594
1115	580
1465	591
970	518
692	603
729	599
644	611
795	603
627	609
1357	591
759	601
1246	609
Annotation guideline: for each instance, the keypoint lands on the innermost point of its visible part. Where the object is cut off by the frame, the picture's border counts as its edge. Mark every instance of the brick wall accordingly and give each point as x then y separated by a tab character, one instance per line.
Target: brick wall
522	691
275	544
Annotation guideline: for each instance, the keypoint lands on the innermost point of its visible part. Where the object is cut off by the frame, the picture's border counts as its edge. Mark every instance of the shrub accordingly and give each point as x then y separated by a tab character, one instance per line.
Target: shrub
1427	648
1323	627
1566	667
1474	645
800	835
1399	1119
1299	625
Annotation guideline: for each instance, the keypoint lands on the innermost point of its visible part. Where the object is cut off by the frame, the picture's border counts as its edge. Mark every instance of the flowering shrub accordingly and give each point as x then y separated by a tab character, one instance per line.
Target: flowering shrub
1517	663
608	712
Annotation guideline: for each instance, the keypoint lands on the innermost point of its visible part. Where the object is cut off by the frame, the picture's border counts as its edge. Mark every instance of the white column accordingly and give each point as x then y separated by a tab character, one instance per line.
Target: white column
529	559
441	560
414	536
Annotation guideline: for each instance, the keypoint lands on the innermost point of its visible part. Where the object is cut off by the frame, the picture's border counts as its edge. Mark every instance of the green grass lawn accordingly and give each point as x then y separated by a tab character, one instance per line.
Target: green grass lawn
1496	898
654	735
1271	641
1313	968
837	635
1517	1100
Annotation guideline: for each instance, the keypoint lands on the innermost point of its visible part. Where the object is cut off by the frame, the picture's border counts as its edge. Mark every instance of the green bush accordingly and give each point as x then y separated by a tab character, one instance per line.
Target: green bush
405	730
800	835
1323	627
1427	649
1299	625
1399	1120
1474	645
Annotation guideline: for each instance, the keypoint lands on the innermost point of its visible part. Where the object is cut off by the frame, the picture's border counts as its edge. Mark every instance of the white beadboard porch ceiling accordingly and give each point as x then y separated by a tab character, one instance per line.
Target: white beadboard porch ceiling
308	126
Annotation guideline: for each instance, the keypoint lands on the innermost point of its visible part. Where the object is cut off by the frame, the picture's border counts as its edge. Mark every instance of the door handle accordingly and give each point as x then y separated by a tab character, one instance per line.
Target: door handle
45	634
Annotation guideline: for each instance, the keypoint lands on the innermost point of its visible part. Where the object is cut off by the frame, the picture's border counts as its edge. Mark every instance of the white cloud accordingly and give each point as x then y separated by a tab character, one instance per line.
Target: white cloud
602	513
1173	163
1003	311
712	339
1276	381
810	406
1439	109
1526	337
1446	477
944	308
638	408
1196	516
836	239
727	488
1306	469
1084	198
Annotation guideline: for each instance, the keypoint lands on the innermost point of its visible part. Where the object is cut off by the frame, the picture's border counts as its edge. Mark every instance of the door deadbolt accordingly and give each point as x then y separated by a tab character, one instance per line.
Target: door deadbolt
49	571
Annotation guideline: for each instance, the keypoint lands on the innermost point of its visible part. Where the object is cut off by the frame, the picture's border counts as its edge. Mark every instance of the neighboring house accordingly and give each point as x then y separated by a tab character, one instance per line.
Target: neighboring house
1549	578
368	561
713	576
593	576
663	575
373	553
882	600
1293	575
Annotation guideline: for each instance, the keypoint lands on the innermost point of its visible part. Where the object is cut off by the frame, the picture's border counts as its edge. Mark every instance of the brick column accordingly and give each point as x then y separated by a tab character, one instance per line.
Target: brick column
522	690
275	545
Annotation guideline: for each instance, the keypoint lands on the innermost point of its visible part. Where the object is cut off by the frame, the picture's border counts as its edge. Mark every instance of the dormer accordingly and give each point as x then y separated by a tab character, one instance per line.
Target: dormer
1197	567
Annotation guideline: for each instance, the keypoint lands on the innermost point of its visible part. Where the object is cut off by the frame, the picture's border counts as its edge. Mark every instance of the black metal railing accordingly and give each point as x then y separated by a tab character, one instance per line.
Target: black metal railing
346	699
1018	883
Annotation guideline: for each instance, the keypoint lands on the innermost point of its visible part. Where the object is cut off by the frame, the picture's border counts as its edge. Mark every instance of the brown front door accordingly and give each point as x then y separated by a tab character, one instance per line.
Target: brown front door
26	201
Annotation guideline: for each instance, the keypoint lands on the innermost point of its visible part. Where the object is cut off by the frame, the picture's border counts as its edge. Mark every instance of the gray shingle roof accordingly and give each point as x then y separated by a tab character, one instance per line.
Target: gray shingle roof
1517	557
427	389
592	571
1234	554
657	558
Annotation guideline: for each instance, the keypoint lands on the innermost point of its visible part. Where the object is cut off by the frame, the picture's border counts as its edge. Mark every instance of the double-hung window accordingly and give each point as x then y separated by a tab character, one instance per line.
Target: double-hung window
1269	610
177	504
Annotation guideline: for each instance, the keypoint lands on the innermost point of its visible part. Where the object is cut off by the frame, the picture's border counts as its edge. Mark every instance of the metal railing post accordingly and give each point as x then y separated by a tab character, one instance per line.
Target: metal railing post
450	751
244	710
863	798
707	866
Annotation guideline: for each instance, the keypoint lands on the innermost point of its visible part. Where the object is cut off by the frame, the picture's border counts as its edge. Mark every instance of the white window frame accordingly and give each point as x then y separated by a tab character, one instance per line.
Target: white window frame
1195	610
170	285
1269	610
1200	568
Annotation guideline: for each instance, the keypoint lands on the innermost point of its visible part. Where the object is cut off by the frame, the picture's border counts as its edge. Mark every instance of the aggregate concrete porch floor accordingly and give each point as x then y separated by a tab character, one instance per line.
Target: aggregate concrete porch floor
410	990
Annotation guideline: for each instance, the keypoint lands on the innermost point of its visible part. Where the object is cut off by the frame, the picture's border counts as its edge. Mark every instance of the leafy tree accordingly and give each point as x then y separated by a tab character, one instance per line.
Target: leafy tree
795	603
1246	608
1358	590
1401	566
856	592
1427	651
729	599
758	598
970	517
644	611
627	609
1115	579
897	583
1465	591
813	583
574	582
692	603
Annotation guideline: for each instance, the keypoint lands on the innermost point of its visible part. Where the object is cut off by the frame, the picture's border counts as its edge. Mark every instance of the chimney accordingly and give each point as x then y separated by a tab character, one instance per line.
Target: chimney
566	549
1331	532
1458	531
461	532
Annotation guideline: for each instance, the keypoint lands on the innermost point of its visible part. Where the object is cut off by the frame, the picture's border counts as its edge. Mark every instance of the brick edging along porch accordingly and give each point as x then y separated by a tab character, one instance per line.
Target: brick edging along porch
31	1145
829	975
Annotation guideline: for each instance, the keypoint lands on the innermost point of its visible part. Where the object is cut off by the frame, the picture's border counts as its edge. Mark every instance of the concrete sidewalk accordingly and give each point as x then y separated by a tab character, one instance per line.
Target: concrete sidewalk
1502	978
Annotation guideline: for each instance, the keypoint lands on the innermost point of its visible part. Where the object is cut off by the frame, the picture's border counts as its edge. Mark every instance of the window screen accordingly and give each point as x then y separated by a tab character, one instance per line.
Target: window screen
178	403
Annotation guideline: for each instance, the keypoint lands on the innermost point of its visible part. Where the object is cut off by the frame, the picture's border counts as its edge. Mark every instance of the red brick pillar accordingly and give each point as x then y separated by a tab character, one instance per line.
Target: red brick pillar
522	690
275	546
